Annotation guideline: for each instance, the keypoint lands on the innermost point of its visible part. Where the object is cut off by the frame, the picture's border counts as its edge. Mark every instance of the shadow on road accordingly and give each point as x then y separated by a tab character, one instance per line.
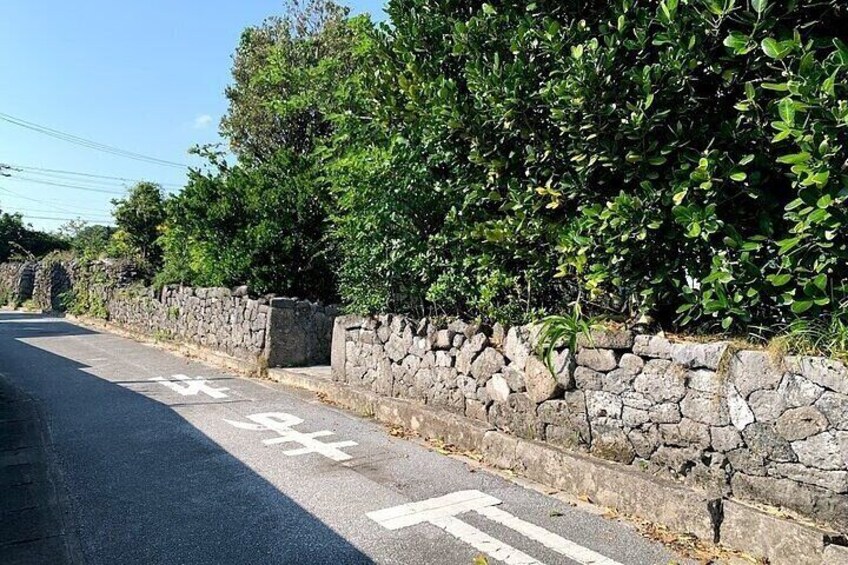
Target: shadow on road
145	485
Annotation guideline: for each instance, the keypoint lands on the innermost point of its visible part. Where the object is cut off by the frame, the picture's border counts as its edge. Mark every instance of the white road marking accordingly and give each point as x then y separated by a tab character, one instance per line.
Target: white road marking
188	386
281	423
442	512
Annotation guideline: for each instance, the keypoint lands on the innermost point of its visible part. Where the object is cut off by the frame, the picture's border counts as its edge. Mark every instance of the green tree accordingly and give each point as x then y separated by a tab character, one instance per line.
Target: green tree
139	216
86	240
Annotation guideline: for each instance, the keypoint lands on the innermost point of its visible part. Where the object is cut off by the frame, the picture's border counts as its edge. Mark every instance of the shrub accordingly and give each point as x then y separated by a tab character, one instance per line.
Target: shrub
679	158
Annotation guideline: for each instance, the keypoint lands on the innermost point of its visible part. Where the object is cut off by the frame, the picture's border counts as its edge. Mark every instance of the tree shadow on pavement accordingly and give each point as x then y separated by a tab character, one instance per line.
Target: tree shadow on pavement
145	485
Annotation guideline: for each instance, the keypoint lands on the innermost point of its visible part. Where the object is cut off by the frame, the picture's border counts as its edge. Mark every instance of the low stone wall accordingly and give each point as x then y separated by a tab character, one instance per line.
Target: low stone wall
16	281
742	424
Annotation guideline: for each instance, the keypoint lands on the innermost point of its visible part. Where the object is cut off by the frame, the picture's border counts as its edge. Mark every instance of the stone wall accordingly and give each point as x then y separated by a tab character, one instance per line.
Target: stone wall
53	278
16	281
277	332
739	423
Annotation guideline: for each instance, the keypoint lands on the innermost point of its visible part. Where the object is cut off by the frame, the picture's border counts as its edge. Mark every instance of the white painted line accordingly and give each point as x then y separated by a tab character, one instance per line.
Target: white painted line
281	423
425	510
442	511
188	386
550	540
483	542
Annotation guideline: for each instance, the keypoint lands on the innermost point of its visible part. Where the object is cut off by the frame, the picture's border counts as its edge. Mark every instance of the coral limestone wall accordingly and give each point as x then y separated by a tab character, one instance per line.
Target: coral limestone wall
739	423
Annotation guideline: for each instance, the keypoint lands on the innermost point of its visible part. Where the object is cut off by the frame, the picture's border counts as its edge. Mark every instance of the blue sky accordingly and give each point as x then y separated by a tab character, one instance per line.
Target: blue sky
147	77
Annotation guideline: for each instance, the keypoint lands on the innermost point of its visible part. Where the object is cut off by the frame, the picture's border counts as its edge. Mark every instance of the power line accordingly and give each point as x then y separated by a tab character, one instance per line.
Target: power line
66	208
61	172
15	210
83	142
28	217
71	186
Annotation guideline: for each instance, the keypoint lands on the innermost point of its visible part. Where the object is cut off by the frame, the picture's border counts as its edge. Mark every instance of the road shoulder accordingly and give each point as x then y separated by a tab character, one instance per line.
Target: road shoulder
34	519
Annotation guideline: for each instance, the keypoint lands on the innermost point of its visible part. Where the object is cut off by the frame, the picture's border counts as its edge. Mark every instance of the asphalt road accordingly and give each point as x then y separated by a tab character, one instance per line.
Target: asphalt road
235	470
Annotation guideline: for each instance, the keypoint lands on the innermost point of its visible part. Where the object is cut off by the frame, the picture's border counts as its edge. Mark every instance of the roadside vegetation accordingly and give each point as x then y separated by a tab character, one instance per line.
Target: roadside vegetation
677	163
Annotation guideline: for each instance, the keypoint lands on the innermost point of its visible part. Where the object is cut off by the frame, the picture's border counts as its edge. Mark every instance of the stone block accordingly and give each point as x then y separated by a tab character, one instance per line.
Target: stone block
662	381
699	355
800	423
652	346
540	382
606	339
828	373
821	451
517	416
597	359
755	370
489	362
587	379
517	347
705	408
497	388
835	408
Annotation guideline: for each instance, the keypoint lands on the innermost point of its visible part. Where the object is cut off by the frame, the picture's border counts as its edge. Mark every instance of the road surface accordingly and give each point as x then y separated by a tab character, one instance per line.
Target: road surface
164	460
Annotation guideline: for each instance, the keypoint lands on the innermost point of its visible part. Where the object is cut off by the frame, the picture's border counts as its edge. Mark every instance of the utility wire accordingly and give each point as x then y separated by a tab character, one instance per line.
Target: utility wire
71	186
83	142
61	172
27	217
66	208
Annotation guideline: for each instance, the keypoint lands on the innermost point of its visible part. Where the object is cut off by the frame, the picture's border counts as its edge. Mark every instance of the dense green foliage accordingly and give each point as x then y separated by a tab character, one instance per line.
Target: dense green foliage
88	241
18	240
139	216
684	159
679	158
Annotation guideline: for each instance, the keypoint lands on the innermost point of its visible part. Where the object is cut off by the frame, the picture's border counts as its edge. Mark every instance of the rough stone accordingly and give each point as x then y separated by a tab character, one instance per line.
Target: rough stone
476	410
724	439
601	404
563	368
705	408
836	481
541	384
667	413
597	359
687	433
652	346
666	385
469	351
835	407
754	370
678	460
618	381
704	380
740	413
587	379
606	339
631	364
800	423
644	441
762	439
798	391
610	442
698	355
636	400
497	388
825	372
517	416
517	347
820	451
486	364
767	405
514	378
633	418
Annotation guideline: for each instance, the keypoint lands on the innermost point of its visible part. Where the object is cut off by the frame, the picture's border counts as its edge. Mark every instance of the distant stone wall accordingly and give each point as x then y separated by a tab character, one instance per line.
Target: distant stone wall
744	424
277	332
16	281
